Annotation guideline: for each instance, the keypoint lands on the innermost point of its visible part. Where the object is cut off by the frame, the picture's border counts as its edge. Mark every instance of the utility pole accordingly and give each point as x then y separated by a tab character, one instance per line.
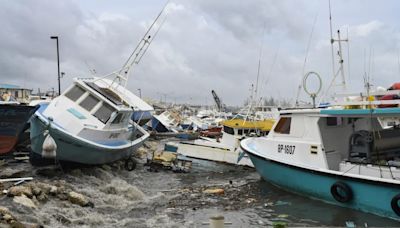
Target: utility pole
58	64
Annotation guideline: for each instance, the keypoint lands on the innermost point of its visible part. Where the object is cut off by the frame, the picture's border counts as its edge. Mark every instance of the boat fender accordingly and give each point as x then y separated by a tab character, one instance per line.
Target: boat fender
395	204
49	147
341	192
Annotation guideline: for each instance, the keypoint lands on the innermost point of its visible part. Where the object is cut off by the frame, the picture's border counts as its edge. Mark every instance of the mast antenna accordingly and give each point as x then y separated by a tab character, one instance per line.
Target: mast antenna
340	55
139	51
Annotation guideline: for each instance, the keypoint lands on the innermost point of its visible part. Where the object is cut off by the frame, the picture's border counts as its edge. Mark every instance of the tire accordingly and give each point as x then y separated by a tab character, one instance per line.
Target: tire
130	164
341	192
395	204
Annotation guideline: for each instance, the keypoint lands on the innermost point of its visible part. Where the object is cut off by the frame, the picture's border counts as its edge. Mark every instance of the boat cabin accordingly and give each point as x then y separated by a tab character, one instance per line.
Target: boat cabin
91	109
243	128
357	141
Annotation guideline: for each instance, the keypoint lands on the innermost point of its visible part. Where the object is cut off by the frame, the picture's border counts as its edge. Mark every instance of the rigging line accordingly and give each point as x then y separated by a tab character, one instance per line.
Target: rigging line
369	64
146	46
268	76
154	36
305	57
145	35
398	59
259	62
348	54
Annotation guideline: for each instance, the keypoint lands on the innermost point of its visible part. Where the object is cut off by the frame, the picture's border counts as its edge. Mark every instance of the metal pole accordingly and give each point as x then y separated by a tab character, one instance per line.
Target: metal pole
58	63
140	92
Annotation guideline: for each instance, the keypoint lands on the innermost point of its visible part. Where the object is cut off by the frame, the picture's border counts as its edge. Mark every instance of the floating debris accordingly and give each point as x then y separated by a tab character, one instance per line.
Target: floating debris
214	191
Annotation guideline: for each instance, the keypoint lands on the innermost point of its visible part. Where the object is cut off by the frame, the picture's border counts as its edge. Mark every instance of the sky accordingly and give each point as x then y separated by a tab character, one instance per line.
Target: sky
203	45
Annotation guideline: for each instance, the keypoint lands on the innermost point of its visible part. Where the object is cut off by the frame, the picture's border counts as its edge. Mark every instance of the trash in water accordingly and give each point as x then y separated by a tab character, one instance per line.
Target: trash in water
279	224
350	224
169	161
281	203
214	191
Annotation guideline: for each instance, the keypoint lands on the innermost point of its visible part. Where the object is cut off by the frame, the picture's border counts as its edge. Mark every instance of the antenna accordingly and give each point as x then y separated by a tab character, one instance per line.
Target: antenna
91	70
305	60
340	55
330	27
138	52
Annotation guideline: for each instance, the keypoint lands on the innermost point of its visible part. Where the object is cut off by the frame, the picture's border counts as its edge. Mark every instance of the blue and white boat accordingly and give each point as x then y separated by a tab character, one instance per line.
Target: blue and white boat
90	123
347	157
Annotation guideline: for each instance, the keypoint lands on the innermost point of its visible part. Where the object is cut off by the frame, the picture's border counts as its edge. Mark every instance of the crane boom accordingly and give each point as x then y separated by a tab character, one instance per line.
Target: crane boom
218	102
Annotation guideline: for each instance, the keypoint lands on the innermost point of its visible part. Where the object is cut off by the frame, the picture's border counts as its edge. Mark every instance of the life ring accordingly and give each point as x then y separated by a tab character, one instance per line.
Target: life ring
341	192
395	204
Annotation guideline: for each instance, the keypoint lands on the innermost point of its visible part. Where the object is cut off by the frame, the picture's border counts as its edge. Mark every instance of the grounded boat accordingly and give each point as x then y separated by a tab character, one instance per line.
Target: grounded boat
13	121
227	149
167	121
347	157
90	123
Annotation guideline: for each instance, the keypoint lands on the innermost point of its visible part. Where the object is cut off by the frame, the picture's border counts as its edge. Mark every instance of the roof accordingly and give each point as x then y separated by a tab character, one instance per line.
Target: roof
10	86
362	112
264	125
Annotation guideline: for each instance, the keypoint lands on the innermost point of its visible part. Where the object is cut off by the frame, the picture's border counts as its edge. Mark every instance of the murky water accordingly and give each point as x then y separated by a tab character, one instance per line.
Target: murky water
165	199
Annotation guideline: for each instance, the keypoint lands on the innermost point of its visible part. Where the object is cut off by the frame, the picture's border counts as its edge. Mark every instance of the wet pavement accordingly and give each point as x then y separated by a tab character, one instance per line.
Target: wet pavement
114	197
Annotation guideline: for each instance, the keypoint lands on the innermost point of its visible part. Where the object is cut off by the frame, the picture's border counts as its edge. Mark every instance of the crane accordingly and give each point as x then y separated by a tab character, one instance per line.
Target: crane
218	102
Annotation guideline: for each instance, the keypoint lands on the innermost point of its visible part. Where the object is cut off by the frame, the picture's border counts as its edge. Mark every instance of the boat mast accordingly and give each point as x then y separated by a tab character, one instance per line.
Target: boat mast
340	52
137	54
141	48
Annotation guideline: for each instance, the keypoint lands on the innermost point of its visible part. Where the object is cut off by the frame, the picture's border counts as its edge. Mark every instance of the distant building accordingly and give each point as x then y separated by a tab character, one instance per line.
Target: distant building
14	93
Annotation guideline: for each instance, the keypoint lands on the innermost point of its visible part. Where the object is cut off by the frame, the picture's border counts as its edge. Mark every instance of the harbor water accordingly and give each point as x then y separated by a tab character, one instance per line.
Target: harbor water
141	198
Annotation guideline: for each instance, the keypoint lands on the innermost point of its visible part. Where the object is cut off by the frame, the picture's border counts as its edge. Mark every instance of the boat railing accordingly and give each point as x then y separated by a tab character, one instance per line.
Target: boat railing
365	99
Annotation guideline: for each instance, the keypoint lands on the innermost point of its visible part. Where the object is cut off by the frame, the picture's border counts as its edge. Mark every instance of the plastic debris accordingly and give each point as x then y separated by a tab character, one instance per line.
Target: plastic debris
350	224
279	224
281	203
16	179
214	191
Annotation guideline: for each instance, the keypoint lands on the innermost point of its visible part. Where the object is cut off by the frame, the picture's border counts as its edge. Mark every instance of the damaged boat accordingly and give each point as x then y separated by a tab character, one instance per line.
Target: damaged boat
91	121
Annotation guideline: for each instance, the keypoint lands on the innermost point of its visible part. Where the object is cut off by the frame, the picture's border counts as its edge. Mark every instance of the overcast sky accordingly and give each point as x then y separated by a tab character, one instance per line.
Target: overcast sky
203	44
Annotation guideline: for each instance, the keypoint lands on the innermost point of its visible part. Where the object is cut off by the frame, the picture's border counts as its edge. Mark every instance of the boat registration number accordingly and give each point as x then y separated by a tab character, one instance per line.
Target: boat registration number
287	149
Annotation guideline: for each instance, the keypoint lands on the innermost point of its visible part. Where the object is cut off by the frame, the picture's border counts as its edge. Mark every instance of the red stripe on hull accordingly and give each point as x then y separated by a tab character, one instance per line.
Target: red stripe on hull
7	143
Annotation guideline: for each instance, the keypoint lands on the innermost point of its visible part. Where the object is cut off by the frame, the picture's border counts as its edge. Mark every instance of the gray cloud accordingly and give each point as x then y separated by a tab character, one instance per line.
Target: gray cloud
203	45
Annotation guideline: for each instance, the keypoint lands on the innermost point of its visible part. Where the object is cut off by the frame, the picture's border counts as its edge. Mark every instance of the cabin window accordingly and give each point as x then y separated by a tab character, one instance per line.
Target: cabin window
229	130
240	131
334	121
104	113
89	102
75	93
118	118
283	126
246	131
